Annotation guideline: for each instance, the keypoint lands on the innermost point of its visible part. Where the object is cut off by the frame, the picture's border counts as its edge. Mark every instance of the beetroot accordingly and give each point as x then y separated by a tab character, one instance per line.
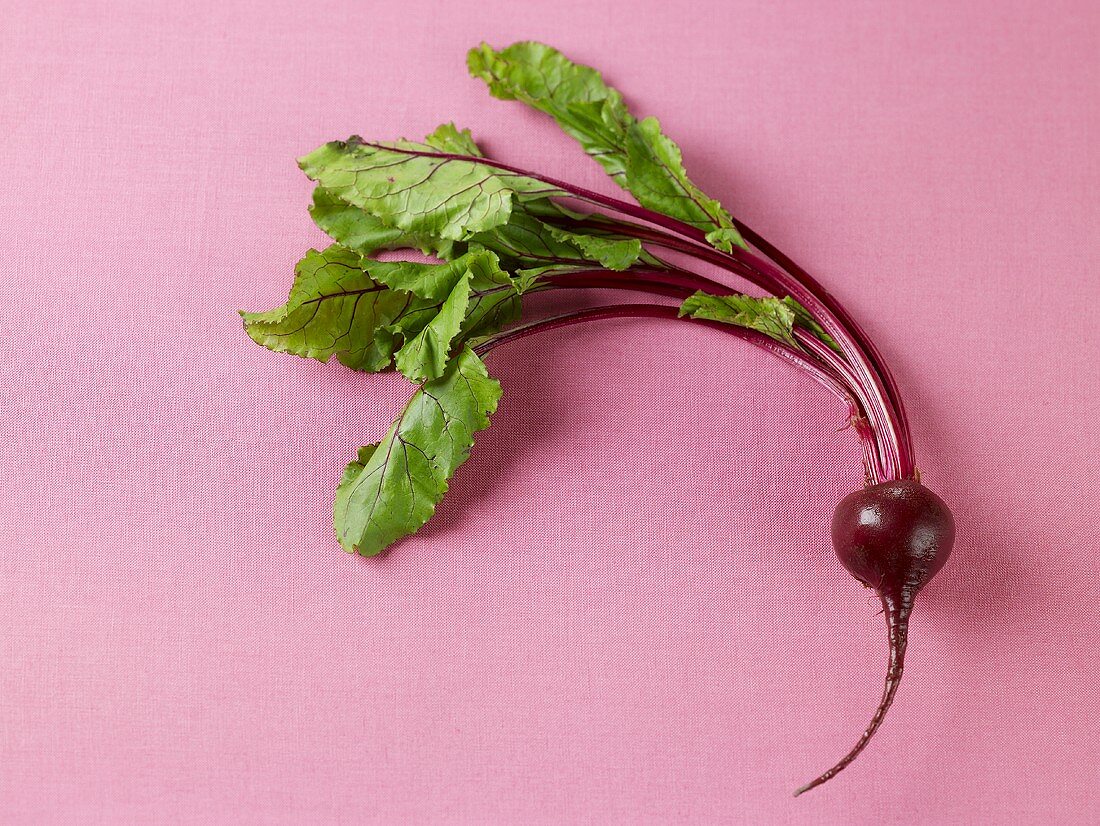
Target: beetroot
893	537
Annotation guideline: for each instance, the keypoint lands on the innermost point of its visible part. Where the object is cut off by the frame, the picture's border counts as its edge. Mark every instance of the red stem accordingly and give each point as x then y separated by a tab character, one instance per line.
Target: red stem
660	311
905	439
680	284
684	282
882	409
827	355
819	372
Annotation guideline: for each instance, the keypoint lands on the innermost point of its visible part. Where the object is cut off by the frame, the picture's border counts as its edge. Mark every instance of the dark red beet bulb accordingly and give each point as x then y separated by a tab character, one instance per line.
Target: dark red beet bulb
893	537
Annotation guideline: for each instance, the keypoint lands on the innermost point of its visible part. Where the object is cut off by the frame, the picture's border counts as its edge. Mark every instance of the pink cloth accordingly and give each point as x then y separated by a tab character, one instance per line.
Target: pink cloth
627	609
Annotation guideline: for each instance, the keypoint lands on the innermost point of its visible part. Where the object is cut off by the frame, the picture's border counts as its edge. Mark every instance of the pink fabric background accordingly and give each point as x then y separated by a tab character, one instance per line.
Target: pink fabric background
627	609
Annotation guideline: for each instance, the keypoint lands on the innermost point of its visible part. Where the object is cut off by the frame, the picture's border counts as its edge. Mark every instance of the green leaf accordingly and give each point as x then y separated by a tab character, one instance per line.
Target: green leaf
524	241
612	253
423	195
471	295
365	233
449	138
338	308
528	242
576	97
638	156
425	355
725	238
480	300
428	280
358	230
491	307
656	177
393	487
334	309
804	319
771	316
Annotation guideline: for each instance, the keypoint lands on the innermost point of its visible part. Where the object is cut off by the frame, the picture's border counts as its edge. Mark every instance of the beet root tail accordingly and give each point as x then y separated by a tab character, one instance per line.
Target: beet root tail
897	612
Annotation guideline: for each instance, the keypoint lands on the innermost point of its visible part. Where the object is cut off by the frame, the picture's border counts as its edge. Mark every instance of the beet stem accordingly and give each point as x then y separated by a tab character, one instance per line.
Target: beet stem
878	364
897	610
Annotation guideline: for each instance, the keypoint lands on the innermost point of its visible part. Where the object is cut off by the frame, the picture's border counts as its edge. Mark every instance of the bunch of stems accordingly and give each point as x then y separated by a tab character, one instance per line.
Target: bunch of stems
853	369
